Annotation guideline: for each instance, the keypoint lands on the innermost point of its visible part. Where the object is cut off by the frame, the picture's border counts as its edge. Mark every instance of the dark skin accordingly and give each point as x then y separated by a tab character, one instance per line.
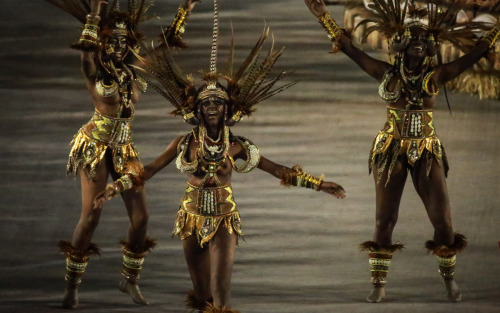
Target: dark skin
210	267
92	190
134	201
432	190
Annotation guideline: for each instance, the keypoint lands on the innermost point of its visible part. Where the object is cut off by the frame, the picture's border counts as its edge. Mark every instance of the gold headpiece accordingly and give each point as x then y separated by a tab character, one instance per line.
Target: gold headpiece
120	29
110	21
246	86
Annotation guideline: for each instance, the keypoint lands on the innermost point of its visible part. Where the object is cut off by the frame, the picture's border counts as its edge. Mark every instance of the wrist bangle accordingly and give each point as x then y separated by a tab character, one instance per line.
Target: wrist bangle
126	183
93	19
237	116
188	116
492	36
90	31
300	178
179	22
330	26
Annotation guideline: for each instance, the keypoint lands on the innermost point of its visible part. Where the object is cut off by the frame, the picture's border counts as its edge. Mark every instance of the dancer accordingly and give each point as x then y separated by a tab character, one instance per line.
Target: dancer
103	146
208	220
409	142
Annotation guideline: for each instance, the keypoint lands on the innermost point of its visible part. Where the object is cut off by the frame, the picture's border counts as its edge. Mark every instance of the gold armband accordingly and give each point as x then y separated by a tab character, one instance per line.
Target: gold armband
237	116
90	30
426	87
121	184
179	23
333	30
188	116
492	36
301	179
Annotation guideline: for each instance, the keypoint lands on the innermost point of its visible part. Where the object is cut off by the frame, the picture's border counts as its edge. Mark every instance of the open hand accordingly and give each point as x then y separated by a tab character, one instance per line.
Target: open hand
332	188
317	7
189	4
110	192
95	6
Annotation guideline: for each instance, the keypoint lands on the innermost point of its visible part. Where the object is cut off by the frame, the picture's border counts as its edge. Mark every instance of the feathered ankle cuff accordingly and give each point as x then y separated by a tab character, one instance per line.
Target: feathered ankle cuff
193	303
213	309
148	245
67	249
372	246
459	244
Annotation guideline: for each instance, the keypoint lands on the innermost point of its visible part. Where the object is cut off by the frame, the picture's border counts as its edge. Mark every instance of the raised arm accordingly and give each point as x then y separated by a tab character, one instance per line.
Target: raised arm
449	71
173	34
375	68
296	177
89	40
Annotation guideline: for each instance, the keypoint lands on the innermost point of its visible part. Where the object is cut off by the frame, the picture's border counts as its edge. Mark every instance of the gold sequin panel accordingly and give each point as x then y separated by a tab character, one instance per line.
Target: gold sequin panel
414	129
115	131
410	123
203	210
87	153
412	148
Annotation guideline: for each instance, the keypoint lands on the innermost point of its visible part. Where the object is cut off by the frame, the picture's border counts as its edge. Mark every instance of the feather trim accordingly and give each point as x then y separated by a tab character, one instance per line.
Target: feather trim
247	87
213	309
172	84
148	245
250	85
66	248
484	84
193	303
459	244
372	246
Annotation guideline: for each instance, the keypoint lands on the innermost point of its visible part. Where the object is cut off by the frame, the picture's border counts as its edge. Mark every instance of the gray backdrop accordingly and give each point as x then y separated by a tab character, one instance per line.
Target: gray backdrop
300	253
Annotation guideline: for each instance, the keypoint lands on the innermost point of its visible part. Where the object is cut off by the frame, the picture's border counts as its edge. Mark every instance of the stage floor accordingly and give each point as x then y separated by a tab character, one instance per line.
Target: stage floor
300	252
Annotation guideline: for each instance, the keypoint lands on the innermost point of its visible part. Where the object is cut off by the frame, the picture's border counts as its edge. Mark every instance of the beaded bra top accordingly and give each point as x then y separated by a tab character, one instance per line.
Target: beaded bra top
209	165
414	87
122	86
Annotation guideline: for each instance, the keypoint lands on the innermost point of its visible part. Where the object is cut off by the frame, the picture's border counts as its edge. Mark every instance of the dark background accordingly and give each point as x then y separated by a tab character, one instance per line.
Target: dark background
300	253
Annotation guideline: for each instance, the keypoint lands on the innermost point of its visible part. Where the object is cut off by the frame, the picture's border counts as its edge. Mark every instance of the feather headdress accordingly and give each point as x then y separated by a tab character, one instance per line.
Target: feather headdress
247	86
112	17
392	18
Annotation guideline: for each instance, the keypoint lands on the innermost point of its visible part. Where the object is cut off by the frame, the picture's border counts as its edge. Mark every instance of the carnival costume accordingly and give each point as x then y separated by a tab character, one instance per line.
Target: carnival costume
110	135
210	206
409	134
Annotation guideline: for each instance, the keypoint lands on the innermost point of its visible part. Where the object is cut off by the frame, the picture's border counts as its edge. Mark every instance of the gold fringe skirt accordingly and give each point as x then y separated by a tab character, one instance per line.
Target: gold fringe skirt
386	150
204	210
87	154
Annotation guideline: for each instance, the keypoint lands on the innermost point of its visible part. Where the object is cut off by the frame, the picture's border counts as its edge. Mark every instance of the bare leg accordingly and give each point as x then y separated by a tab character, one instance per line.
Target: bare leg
89	218
82	235
198	262
434	194
135	203
388	198
222	250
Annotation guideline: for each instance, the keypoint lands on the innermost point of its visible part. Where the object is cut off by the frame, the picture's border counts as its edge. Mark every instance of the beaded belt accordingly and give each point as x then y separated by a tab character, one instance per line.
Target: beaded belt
211	201
112	131
412	124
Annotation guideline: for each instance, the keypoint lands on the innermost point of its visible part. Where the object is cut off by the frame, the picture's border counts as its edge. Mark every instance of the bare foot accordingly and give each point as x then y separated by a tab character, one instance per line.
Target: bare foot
453	291
134	292
70	300
376	295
